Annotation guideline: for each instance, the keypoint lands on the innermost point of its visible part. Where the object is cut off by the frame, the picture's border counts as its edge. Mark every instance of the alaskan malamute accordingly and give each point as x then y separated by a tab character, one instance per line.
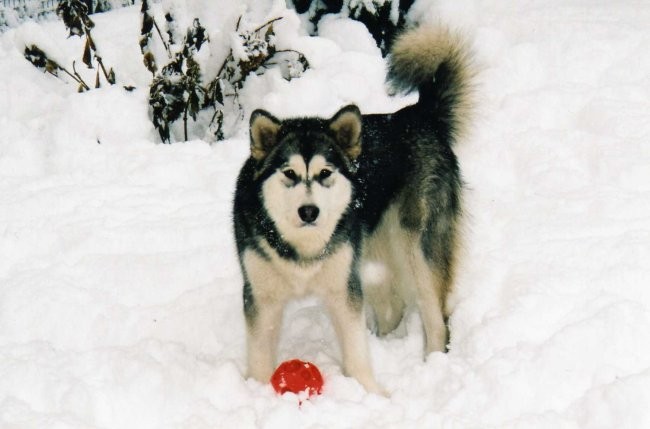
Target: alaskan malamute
359	210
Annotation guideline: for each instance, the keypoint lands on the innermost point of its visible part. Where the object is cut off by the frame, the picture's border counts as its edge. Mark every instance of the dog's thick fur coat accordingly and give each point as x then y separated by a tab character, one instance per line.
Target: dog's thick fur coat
360	210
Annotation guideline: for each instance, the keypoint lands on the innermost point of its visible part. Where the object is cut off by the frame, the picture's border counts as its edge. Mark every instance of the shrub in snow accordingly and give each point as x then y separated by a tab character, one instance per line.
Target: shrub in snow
383	18
252	51
177	90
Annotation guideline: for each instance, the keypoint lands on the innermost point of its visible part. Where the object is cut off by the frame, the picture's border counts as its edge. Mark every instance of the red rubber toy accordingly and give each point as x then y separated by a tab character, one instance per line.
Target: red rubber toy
297	376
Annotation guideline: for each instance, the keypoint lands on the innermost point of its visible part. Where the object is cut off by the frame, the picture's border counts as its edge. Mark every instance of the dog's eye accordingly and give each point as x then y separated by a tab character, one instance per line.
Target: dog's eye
324	174
290	174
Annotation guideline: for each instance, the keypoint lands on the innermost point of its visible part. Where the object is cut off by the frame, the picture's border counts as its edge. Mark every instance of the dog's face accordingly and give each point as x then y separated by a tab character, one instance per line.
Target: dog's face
305	168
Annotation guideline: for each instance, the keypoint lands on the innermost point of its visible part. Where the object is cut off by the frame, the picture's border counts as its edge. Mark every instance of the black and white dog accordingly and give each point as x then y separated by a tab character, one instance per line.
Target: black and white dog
321	201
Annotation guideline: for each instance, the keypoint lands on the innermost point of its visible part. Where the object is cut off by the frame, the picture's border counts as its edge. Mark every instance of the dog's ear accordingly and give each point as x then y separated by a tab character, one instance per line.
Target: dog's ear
264	129
346	125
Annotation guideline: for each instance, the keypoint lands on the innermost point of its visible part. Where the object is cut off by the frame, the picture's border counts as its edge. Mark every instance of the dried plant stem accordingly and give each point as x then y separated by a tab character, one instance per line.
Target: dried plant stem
162	39
265	24
76	76
101	65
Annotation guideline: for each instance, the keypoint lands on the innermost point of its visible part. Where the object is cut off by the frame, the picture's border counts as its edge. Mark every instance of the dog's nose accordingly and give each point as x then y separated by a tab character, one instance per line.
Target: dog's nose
308	213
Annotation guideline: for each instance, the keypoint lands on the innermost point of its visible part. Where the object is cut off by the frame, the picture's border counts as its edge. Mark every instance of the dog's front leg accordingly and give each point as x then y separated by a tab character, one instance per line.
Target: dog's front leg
350	326
263	333
347	316
340	289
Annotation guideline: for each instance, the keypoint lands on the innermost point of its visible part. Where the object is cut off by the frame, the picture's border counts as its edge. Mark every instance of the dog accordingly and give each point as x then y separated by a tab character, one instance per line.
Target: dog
360	210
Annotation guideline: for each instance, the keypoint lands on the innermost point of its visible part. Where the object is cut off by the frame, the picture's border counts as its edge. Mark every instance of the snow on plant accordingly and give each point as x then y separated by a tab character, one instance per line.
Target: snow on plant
74	15
40	60
177	90
252	51
146	35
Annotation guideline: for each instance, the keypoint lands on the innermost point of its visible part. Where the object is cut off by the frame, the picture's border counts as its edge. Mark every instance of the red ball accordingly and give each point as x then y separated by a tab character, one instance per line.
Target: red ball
297	376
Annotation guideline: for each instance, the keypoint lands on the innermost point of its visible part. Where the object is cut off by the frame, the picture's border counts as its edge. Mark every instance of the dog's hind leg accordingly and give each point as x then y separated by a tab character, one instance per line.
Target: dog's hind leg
429	218
431	311
429	289
386	308
381	273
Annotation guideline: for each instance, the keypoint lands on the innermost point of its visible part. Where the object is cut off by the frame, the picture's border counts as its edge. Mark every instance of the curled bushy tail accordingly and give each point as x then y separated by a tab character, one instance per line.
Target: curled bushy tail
437	63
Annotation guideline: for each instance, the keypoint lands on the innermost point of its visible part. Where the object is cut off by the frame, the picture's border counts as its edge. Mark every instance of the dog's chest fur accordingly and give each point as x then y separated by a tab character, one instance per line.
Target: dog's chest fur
277	278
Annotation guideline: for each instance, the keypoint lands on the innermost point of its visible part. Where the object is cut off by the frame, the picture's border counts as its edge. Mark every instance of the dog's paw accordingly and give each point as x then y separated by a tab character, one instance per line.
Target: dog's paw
371	386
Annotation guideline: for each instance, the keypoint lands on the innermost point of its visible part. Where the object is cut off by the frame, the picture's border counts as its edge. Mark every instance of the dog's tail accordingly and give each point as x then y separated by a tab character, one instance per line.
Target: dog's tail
437	63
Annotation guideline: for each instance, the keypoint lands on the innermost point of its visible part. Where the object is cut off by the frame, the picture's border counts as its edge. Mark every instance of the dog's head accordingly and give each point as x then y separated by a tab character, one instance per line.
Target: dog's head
305	166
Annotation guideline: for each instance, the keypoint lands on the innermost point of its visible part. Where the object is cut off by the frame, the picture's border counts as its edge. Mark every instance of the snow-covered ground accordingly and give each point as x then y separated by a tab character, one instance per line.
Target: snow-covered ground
120	300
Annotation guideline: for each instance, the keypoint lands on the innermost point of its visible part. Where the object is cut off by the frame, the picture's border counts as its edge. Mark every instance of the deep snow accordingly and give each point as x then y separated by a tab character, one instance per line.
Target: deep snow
120	292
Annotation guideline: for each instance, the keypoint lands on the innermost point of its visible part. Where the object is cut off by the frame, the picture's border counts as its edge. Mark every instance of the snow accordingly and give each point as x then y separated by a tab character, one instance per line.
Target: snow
120	292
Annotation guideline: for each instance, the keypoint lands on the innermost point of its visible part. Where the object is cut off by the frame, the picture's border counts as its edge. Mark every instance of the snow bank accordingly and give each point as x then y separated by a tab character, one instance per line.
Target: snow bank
119	288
